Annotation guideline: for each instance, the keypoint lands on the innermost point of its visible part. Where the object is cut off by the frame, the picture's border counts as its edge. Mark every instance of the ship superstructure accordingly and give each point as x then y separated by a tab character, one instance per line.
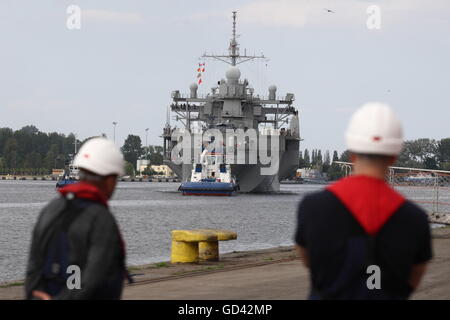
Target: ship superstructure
233	104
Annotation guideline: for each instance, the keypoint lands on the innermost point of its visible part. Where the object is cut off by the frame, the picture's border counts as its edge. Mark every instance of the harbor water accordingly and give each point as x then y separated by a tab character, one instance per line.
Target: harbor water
147	212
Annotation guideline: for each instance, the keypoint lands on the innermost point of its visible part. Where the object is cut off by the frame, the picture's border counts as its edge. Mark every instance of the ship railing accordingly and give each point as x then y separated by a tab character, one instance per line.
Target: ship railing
188	96
279	98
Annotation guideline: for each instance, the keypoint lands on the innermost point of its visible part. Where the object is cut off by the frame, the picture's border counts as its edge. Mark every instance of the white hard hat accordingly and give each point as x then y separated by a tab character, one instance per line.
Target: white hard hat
375	129
100	156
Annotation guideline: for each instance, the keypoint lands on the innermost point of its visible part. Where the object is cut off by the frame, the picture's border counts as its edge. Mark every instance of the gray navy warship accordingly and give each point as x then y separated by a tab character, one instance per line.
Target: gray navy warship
233	104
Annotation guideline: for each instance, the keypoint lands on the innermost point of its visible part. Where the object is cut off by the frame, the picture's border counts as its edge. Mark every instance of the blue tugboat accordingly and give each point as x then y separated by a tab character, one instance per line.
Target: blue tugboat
70	176
210	178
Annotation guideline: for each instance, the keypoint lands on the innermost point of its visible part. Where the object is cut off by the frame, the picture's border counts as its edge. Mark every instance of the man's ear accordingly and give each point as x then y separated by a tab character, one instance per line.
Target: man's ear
112	179
392	160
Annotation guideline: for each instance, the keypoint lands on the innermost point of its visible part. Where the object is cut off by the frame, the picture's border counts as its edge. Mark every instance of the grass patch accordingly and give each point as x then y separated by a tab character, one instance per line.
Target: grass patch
268	259
218	267
208	268
12	284
134	268
161	265
152	266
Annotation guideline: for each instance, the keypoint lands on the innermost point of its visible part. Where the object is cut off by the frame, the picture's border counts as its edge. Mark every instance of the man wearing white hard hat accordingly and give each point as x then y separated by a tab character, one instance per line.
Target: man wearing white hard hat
77	251
359	237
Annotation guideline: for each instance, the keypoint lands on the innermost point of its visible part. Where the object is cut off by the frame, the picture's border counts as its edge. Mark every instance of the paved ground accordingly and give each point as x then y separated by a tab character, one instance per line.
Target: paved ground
263	274
284	280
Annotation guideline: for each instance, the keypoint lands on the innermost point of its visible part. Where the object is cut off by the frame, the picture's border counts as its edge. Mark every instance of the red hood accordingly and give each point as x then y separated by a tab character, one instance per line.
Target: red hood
85	190
370	200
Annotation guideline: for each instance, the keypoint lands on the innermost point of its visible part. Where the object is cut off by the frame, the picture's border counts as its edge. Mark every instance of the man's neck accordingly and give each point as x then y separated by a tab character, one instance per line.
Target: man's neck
97	185
369	170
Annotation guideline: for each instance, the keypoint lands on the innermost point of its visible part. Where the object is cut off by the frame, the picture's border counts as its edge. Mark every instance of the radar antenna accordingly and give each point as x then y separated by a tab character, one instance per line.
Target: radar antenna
233	58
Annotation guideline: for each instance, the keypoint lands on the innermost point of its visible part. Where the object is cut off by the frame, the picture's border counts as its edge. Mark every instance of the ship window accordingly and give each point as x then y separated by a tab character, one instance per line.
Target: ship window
223	168
198	168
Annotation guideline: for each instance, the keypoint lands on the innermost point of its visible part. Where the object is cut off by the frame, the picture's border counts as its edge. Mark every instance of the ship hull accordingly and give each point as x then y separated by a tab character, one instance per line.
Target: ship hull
249	176
207	188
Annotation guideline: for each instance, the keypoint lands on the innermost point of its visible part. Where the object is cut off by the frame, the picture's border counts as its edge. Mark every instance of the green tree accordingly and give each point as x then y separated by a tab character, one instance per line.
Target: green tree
421	149
10	153
313	157
129	169
405	158
29	130
443	151
5	134
50	158
416	152
132	149
345	156
33	160
301	161
307	158
335	156
156	155
2	166
335	172
445	165
319	157
430	163
326	162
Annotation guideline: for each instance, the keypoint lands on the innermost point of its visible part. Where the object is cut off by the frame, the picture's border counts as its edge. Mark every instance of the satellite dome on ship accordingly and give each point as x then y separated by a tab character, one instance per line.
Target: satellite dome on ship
233	74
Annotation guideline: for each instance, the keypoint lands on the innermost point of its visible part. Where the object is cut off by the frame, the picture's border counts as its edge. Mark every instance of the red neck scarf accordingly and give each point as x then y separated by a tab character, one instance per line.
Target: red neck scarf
84	190
371	201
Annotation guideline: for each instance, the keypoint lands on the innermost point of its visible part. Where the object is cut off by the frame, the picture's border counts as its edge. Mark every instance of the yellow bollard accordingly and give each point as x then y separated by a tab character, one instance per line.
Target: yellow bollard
185	244
208	250
184	252
201	244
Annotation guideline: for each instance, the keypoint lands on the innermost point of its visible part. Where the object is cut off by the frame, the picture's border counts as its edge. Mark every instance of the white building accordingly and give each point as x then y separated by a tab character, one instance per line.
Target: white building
163	169
142	164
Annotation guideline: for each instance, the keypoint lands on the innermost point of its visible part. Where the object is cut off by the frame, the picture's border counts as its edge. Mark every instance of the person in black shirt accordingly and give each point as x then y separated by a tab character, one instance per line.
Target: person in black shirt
359	237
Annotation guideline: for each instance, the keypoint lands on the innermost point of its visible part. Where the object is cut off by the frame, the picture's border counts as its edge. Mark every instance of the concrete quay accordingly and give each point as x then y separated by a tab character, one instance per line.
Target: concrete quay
275	273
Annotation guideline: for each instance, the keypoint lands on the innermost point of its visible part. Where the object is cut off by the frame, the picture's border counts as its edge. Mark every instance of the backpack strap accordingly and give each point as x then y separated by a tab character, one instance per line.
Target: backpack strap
64	218
52	237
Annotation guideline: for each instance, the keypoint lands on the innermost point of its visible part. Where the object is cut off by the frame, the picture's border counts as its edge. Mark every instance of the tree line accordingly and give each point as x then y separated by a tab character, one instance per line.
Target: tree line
421	153
31	151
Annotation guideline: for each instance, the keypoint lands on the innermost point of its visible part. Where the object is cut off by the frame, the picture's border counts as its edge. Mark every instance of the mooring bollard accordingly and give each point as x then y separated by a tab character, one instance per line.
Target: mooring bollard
199	244
209	250
185	245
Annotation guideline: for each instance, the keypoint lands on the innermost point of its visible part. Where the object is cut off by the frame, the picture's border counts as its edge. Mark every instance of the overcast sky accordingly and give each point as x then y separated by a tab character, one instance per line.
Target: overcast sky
129	55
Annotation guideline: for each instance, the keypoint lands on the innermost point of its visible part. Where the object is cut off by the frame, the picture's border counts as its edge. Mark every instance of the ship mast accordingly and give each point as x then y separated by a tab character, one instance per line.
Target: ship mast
233	58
